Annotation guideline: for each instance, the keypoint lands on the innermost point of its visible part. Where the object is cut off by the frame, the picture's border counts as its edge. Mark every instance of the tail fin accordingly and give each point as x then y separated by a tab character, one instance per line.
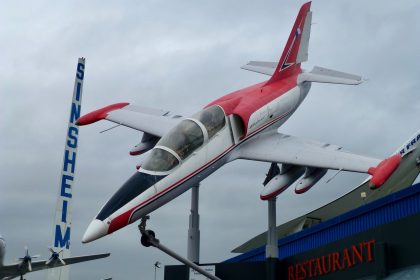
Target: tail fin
296	50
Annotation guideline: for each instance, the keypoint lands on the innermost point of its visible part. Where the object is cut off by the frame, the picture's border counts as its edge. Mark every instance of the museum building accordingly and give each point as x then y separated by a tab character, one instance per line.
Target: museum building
378	240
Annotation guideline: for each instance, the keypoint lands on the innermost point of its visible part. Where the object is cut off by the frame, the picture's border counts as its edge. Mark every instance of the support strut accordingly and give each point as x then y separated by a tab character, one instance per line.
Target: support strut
193	249
271	250
148	239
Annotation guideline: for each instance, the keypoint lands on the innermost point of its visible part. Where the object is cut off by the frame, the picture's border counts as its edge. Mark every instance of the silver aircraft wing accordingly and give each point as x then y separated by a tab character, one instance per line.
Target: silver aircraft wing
272	146
152	121
15	270
403	177
40	265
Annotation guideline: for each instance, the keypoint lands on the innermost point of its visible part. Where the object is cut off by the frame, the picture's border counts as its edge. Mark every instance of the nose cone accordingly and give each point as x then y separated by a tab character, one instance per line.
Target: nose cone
95	230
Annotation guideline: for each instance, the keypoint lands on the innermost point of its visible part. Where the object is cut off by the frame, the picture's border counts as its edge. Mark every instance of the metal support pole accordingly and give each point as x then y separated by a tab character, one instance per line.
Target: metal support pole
271	250
193	249
153	241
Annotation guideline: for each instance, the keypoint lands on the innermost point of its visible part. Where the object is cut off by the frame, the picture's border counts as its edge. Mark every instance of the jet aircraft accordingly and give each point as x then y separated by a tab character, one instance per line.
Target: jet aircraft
26	264
182	151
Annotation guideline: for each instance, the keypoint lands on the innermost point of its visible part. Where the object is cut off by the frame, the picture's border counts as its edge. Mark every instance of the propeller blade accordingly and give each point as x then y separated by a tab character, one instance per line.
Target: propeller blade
35	256
29	266
55	256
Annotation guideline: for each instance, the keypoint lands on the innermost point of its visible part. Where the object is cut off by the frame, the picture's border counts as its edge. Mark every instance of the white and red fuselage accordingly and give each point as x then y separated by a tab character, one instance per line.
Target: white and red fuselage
246	113
186	152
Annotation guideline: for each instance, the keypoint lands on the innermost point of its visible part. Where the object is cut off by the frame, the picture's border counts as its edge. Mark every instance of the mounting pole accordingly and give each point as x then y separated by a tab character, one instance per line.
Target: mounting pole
271	250
193	249
148	239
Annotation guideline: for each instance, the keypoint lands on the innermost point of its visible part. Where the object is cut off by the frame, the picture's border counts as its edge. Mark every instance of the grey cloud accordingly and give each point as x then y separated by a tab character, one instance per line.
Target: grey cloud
181	56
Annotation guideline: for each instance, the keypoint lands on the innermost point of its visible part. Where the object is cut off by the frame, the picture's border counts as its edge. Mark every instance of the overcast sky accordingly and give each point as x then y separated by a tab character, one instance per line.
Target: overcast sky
180	55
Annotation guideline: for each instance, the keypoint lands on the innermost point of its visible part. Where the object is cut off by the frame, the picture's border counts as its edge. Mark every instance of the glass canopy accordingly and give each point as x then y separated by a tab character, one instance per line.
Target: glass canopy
184	139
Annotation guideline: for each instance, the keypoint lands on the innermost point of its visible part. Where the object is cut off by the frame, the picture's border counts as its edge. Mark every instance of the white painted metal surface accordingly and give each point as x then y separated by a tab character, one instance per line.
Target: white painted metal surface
193	245
62	218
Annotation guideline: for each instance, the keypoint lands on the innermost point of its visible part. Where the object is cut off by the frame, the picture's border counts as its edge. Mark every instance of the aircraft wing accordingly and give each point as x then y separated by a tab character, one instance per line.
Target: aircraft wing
10	271
152	121
15	270
73	260
403	177
280	148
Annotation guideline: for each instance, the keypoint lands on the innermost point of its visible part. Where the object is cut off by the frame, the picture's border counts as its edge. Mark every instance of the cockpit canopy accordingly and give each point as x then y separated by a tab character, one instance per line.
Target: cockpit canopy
213	119
185	138
160	160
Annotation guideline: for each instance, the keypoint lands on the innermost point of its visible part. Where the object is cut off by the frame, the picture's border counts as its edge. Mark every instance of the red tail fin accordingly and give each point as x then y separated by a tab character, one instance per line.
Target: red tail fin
296	50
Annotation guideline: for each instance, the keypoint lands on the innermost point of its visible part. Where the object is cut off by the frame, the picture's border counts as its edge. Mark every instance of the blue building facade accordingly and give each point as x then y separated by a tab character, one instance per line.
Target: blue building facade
386	210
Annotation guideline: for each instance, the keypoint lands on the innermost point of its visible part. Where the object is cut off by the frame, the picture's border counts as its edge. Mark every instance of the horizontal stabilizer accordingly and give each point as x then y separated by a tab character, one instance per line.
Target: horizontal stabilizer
317	75
262	67
324	75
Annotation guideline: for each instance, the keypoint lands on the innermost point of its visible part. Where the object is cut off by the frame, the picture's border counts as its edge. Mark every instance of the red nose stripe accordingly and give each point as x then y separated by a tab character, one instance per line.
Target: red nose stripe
99	114
384	170
119	222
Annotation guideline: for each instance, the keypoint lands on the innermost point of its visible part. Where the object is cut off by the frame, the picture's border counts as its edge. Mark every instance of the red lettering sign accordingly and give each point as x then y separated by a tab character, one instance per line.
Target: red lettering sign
332	262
